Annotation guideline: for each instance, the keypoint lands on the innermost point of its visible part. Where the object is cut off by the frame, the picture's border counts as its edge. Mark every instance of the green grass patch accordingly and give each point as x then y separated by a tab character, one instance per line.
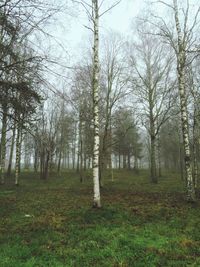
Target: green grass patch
52	223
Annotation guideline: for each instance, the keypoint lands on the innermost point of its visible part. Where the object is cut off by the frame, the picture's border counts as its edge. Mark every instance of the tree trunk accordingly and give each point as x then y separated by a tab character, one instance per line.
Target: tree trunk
159	156
101	169
46	166
119	156
129	161
89	162
73	157
124	161
68	161
81	160
185	131
27	152
96	201
153	159
3	144
195	169
17	161
78	162
85	161
80	149
11	151
152	141
20	148
195	143
59	161
181	64
36	160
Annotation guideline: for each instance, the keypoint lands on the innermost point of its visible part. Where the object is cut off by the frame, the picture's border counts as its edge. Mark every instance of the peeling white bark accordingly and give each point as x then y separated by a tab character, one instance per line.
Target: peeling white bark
97	202
181	64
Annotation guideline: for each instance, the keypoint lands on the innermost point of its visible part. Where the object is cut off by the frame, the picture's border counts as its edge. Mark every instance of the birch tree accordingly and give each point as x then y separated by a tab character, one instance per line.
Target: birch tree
184	43
114	90
97	200
93	11
11	149
194	109
82	103
152	83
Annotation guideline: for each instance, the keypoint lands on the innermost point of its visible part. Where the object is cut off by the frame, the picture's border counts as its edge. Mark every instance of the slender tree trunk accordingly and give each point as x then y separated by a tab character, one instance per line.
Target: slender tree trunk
27	152
46	166
181	163
81	159
153	159
42	161
59	161
17	160
74	148
68	161
96	201
124	161
80	149
73	155
41	164
36	160
129	160
181	64
195	142
85	161
115	161
89	162
185	131
102	158
73	158
11	151
152	142
3	144
195	169
78	161
20	148
101	169
51	160
159	156
105	142
119	157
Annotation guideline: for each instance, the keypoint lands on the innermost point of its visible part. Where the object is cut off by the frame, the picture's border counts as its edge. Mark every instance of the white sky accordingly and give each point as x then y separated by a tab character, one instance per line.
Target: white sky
74	36
70	32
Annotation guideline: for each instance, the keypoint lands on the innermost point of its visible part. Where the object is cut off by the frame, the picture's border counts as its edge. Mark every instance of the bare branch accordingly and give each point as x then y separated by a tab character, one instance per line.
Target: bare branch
111	7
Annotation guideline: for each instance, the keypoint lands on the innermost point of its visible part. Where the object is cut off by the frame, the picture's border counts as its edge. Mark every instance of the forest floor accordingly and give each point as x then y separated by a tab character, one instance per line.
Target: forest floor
52	223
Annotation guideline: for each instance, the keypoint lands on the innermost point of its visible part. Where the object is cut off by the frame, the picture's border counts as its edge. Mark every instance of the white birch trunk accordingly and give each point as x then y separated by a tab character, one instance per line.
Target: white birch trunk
181	63
97	202
11	151
195	145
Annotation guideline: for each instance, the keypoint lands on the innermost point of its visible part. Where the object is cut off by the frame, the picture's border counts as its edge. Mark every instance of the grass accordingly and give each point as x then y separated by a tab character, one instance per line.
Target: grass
51	223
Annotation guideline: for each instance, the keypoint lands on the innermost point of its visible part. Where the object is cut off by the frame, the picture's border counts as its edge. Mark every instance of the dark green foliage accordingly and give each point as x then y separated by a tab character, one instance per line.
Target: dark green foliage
126	139
140	224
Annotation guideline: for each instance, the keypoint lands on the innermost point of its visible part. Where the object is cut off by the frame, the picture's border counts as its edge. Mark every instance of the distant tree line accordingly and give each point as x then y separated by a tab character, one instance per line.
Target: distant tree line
132	104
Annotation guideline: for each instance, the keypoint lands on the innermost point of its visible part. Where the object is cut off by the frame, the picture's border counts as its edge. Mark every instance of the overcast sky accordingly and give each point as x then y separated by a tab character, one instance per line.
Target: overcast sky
71	32
72	38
